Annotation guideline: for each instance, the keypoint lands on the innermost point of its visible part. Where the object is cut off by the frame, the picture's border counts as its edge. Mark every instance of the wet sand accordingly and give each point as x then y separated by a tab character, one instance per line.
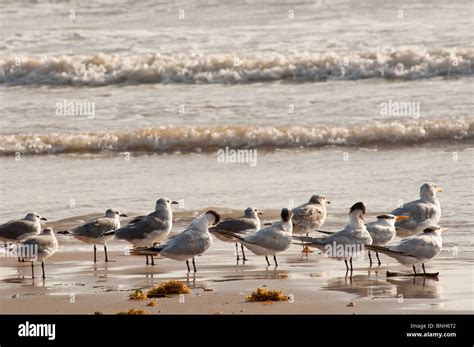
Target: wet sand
316	284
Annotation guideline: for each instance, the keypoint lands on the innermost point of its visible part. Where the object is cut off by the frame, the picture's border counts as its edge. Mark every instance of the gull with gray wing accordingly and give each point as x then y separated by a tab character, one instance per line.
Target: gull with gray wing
346	243
270	240
193	241
249	223
422	213
94	232
145	231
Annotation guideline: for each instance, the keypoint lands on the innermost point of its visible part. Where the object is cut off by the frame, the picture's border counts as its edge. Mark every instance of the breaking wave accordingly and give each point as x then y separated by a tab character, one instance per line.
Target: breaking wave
102	69
207	139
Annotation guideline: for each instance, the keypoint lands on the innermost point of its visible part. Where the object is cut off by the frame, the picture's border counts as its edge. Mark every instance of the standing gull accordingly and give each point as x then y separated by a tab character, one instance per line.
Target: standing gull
417	249
39	248
382	231
145	231
271	240
193	241
241	226
93	232
309	216
422	213
347	242
16	230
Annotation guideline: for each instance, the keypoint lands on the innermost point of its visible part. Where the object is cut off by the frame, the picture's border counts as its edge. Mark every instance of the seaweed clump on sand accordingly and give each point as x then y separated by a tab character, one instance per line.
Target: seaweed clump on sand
138	295
265	295
152	303
167	288
132	311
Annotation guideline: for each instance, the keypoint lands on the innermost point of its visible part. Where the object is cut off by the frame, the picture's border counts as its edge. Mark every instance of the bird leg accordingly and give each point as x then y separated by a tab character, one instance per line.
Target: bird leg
187	264
243	253
275	260
146	260
350	261
377	254
347	267
423	267
32	270
95	254
414	269
194	266
105	251
370	259
152	260
266	258
42	267
237	251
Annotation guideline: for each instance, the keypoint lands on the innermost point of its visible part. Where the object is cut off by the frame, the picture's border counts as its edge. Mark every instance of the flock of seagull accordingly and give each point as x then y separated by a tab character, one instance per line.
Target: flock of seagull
416	223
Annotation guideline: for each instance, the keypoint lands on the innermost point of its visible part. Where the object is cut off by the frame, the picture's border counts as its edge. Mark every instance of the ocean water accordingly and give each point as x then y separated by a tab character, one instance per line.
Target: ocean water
116	104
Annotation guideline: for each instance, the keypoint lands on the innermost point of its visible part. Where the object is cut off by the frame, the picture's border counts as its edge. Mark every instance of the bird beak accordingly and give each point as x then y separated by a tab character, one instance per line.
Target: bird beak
123	215
43	218
439	189
397	218
260	213
443	230
174	203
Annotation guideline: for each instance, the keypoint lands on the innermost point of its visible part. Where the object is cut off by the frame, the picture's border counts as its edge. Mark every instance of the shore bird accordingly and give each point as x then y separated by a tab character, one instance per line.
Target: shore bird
15	230
39	248
193	241
19	229
94	231
145	231
270	240
382	231
346	243
422	213
310	216
249	223
417	249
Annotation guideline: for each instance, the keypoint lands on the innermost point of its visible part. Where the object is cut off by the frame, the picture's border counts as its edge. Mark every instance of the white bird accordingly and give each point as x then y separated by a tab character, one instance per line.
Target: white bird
271	240
145	231
417	249
309	216
249	223
347	242
39	247
16	230
382	231
94	231
422	213
193	241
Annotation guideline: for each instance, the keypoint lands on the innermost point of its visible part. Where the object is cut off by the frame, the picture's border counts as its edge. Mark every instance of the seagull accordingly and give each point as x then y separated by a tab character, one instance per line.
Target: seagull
271	240
145	231
93	232
416	249
422	213
39	247
16	230
383	231
344	243
309	216
193	241
247	224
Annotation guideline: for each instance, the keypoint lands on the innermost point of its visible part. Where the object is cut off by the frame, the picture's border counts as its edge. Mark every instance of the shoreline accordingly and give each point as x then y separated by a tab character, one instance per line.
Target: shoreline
74	285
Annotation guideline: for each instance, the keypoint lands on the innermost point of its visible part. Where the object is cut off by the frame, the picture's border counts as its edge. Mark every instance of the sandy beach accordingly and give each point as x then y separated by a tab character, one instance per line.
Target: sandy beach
315	284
